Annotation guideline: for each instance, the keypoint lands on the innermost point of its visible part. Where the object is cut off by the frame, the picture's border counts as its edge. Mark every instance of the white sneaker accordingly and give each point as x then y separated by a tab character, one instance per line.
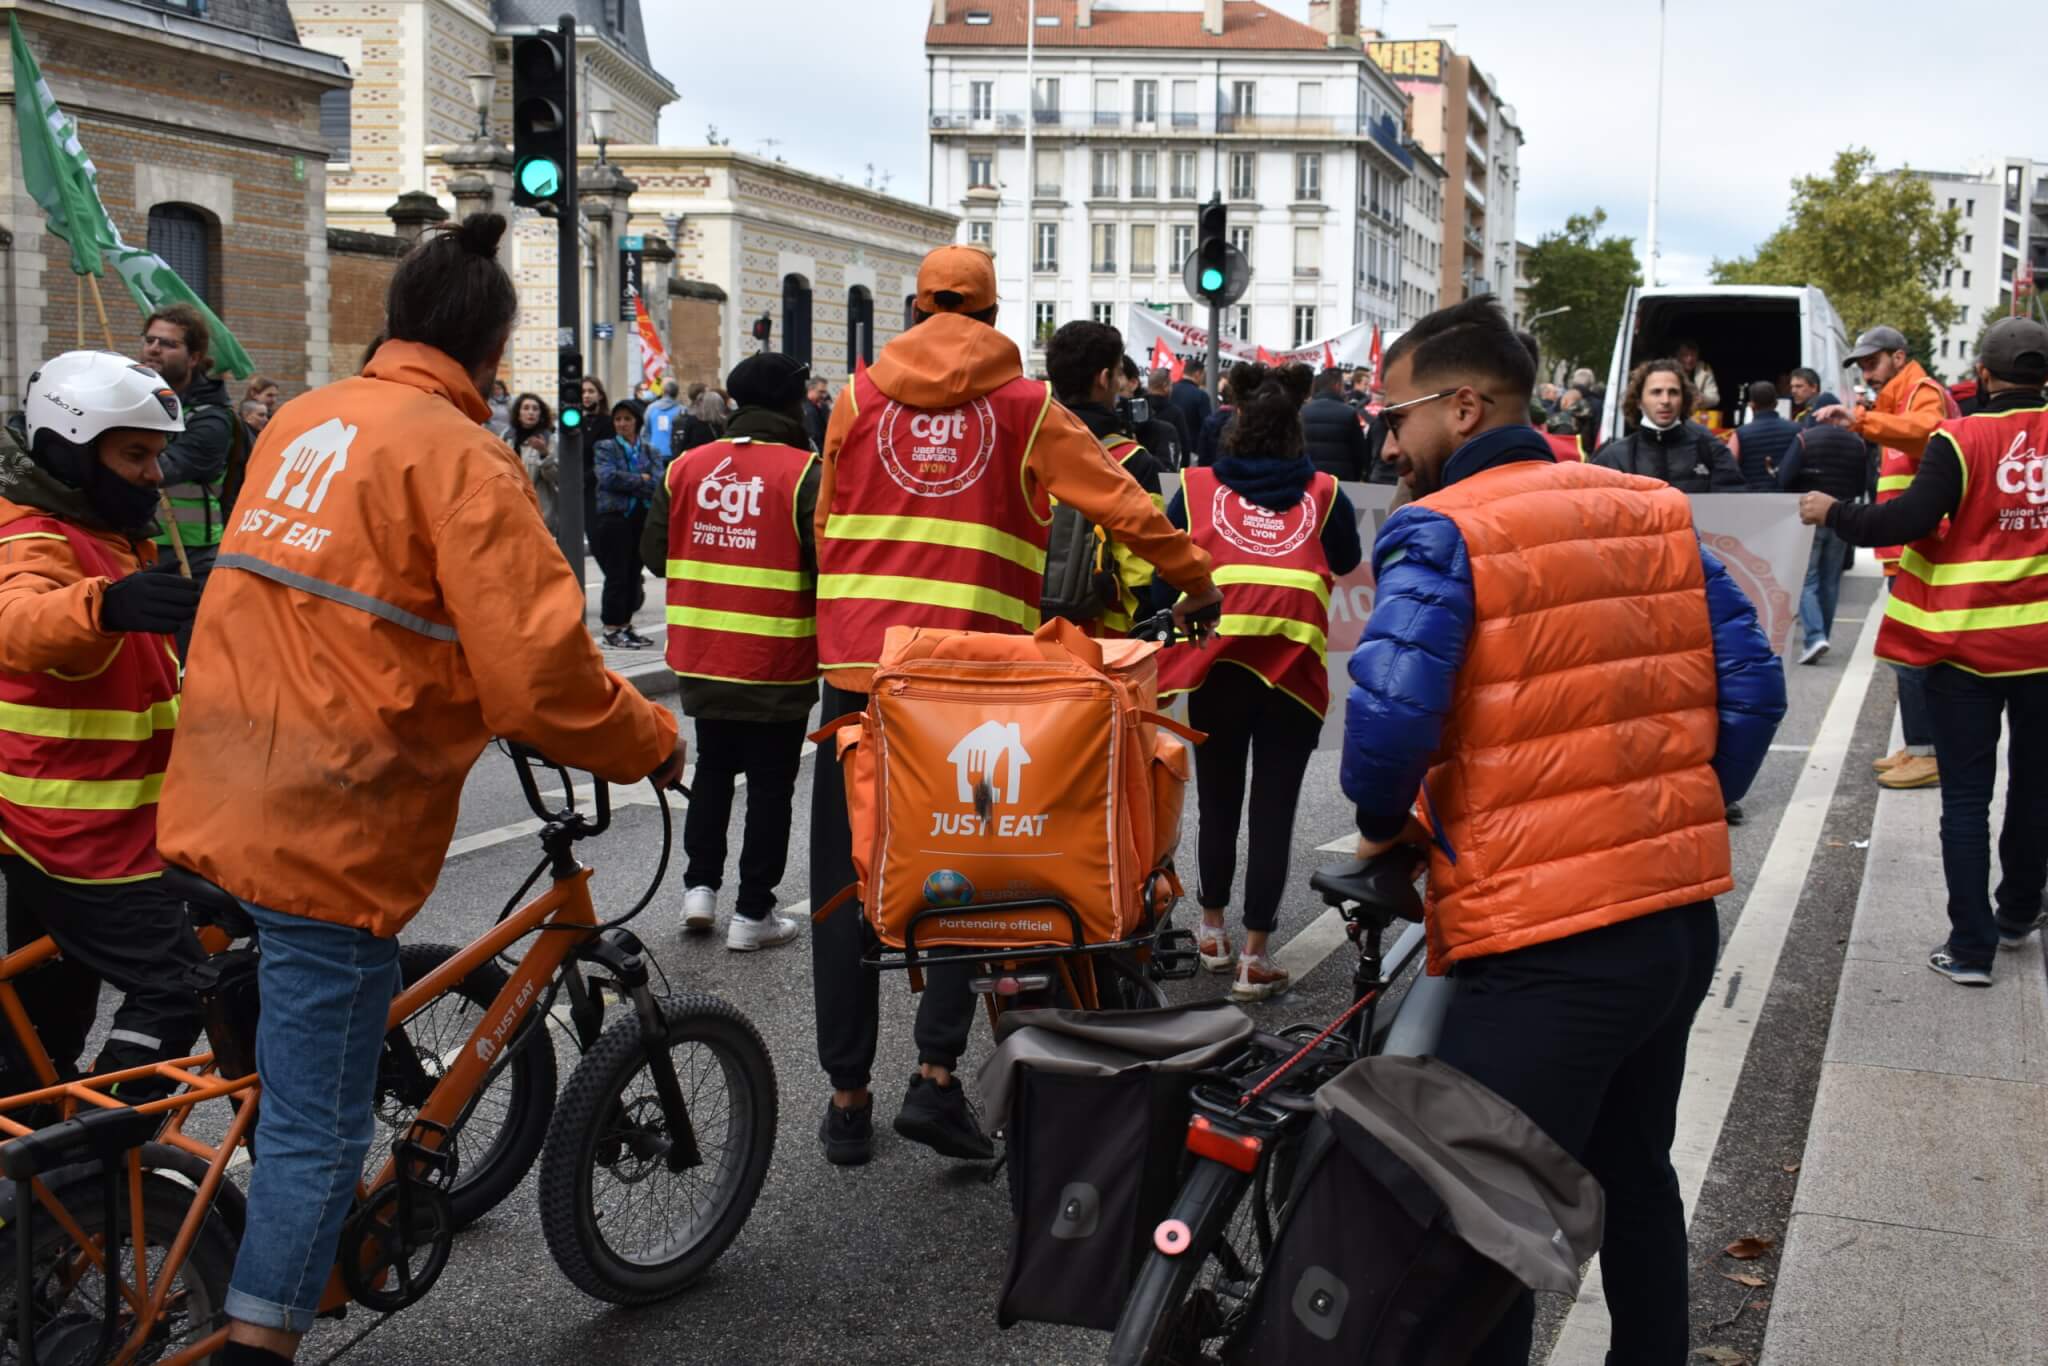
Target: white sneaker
700	908
1813	652
744	935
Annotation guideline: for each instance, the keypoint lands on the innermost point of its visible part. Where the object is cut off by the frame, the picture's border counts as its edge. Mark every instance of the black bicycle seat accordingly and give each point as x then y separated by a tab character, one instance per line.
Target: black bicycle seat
1380	889
211	905
101	1135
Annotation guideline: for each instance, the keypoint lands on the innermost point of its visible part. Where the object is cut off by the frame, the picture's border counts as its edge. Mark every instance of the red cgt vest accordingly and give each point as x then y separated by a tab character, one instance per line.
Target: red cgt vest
1896	468
742	608
931	522
1276	590
1977	596
82	757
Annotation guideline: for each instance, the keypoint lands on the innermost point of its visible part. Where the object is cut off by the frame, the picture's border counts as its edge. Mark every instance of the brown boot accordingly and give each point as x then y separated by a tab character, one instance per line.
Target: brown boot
1918	771
1890	761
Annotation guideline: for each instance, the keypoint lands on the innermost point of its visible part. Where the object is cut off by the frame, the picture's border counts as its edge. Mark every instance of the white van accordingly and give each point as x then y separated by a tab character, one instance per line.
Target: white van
1744	332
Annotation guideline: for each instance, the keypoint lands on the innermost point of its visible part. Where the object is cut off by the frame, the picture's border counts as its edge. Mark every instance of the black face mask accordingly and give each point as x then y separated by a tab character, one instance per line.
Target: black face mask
125	506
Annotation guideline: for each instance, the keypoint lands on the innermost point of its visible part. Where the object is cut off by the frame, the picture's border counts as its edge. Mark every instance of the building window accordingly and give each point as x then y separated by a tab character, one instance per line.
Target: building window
1144	249
1951	203
1102	248
1244	98
1144	175
1969	242
1047	255
335	123
1948	277
1183	243
1244	175
1044	322
1104	314
182	235
981	170
1308	104
1144	102
1308	175
1963	318
1966	279
796	318
1944	340
1308	251
1971	210
860	326
980	232
1238	322
1048	173
1304	324
1184	115
1183	175
1106	104
1045	99
1241	238
981	100
1102	181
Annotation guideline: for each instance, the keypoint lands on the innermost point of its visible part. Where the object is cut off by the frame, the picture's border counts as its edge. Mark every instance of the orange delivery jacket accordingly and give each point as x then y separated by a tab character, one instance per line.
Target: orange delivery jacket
386	600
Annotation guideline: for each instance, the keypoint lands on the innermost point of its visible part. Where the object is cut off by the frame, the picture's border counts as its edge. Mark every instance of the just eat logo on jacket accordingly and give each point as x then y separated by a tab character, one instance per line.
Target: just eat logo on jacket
319	454
1261	531
936	453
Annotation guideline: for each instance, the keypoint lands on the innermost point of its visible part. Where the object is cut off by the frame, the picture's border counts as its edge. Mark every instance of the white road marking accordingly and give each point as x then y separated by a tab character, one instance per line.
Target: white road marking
1343	844
1721	1034
1305	952
1790	749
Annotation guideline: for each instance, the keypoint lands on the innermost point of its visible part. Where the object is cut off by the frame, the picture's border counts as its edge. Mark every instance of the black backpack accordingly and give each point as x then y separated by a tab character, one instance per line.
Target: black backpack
1080	574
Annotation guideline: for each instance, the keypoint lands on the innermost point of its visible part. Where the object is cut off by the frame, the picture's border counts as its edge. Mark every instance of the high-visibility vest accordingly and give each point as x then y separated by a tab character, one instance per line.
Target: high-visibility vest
1276	589
200	510
933	521
82	756
741	605
1977	596
1896	468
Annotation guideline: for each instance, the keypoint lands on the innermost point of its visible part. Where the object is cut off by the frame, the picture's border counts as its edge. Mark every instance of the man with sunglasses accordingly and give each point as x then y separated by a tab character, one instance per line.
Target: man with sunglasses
1572	690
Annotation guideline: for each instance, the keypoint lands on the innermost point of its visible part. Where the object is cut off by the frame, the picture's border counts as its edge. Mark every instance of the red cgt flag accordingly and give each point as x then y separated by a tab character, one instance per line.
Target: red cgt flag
1374	355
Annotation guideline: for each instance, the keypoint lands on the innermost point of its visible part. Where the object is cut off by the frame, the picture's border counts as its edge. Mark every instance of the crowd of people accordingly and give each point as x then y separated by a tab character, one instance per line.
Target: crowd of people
1574	819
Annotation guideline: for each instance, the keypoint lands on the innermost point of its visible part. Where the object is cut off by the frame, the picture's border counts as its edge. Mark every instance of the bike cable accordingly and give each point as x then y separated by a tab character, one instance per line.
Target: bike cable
1284	1068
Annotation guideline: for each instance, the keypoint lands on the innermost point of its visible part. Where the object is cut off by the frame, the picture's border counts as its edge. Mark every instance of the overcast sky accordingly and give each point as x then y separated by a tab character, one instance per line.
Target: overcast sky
1757	92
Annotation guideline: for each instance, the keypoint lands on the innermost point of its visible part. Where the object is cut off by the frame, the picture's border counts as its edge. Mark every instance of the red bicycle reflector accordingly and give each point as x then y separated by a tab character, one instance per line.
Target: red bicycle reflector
1240	1151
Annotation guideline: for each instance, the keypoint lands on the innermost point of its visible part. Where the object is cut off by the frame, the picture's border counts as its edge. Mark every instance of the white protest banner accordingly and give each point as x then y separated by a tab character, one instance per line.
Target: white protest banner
1347	349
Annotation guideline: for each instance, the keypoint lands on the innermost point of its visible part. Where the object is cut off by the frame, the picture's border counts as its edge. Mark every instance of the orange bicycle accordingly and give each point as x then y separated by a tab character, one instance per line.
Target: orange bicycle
652	1160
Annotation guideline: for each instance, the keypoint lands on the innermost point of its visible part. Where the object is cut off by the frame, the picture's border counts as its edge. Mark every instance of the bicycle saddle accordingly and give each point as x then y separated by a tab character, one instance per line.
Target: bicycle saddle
1381	890
210	905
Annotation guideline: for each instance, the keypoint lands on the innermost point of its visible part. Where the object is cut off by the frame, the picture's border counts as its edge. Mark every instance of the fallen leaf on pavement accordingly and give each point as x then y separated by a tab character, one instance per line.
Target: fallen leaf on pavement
1743	1278
1746	1249
1721	1356
1791	1167
1837	844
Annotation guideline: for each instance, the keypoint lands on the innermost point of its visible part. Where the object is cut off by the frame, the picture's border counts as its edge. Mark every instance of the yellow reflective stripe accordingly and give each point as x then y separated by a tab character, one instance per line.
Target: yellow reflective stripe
1294	630
1971	571
85	723
1967	618
1024	465
1892	483
81	794
742	623
1273	576
736	575
31	536
861	526
930	593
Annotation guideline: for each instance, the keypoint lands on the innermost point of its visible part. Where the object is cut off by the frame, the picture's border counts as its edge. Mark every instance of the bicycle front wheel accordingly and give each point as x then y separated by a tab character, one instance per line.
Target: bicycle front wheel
625	1222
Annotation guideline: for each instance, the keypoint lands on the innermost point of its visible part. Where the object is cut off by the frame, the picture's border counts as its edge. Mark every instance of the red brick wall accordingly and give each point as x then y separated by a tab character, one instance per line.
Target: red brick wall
359	270
693	340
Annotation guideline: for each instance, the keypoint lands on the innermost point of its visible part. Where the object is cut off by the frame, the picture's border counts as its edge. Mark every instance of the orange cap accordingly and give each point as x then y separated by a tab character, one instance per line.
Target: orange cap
967	272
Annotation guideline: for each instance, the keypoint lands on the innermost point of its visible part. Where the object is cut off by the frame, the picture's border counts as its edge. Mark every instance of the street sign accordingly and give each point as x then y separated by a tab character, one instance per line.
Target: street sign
601	331
632	282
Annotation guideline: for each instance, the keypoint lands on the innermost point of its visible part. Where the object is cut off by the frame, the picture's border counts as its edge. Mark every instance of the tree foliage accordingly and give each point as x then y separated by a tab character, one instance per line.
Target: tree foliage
1873	240
1591	275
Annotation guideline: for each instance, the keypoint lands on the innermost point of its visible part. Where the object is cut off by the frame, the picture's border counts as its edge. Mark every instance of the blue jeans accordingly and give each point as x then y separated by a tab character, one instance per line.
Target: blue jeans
1967	709
326	990
1823	588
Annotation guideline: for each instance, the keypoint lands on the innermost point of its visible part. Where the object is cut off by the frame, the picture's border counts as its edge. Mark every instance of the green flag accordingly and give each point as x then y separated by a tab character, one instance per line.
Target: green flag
54	166
63	180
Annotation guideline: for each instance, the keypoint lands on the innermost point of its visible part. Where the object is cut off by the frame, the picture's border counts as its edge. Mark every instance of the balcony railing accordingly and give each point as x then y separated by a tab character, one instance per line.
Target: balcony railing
1475	241
1111	120
1043	190
1099	190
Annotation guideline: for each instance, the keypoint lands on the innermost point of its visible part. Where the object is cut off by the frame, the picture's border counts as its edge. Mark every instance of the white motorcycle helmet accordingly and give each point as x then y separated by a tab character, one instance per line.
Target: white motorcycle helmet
76	397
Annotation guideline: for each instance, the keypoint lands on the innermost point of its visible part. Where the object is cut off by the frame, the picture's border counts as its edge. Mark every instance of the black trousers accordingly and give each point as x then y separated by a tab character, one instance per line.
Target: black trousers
132	935
615	540
1967	712
846	992
769	754
1261	731
1587	1035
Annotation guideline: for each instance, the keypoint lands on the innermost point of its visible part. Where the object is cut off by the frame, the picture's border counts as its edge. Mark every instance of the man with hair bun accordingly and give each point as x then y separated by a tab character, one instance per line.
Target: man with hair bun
393	602
1572	748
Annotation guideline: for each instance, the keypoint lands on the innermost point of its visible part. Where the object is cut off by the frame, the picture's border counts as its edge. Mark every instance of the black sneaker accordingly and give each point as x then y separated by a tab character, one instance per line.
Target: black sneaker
940	1118
848	1134
633	640
615	640
1962	974
1735	816
2011	936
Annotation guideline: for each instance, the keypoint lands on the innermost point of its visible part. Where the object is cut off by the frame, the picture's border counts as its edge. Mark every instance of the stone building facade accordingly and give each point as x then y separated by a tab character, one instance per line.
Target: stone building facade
206	136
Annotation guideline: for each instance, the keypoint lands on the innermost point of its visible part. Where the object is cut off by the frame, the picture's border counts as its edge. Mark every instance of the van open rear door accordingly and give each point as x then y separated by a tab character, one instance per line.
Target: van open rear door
1617	372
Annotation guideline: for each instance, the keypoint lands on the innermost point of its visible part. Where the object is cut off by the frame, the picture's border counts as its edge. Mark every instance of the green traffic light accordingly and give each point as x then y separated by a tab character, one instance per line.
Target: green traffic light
572	417
1212	279
541	178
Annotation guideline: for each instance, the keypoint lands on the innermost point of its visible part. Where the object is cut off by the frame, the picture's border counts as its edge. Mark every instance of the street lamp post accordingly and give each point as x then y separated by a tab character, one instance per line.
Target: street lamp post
481	86
1657	151
1549	313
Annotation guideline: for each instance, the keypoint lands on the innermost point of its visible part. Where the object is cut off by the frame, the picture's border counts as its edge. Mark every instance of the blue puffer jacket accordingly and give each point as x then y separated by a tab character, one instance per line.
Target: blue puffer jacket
1405	668
627	476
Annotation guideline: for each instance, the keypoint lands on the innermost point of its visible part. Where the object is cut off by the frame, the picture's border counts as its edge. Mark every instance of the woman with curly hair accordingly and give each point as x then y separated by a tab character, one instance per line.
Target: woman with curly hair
1662	442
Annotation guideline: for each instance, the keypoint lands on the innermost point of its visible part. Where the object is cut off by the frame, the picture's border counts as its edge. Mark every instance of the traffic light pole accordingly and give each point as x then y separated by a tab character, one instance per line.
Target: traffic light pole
1215	362
571	443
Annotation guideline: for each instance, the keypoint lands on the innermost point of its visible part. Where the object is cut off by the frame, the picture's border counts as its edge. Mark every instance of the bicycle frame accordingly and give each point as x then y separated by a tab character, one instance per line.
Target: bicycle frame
566	904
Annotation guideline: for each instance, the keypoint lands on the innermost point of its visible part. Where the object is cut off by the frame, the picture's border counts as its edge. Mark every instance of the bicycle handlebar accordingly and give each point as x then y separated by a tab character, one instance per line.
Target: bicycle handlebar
526	759
1161	626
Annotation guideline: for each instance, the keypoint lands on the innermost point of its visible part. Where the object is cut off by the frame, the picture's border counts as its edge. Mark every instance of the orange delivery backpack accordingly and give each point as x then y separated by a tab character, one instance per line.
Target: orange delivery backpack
991	769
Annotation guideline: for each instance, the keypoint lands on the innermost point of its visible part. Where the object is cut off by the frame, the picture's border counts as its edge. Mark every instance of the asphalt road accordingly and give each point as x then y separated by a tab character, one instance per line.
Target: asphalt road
901	1261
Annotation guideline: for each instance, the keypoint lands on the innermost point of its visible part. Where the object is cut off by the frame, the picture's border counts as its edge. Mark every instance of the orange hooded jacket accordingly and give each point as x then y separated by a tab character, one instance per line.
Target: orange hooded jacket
386	600
948	359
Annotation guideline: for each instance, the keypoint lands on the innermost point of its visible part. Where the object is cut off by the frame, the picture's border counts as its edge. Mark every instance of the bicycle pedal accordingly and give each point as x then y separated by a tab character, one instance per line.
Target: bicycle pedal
1175	955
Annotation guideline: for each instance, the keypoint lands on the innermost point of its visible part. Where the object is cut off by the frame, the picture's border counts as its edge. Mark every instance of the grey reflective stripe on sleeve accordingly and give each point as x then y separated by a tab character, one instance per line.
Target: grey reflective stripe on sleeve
334	592
130	1036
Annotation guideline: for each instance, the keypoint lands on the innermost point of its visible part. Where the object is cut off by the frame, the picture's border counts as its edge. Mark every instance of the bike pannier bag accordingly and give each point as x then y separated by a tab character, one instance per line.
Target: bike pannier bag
1079	584
1093	1106
1422	1205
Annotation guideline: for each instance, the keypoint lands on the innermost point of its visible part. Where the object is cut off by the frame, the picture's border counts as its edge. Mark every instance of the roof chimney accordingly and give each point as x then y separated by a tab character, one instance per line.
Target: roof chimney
938	11
1336	20
1084	14
1212	16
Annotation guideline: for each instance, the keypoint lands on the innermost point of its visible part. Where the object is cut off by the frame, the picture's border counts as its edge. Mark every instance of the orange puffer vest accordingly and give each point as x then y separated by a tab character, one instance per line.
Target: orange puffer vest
1576	789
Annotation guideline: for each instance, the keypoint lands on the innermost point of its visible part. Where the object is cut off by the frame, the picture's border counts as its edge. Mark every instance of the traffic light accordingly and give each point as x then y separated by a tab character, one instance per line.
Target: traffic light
571	415
1212	251
763	326
543	150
